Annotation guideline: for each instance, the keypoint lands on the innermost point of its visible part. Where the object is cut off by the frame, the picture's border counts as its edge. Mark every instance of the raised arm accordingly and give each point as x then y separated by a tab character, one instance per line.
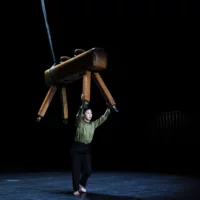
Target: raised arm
102	119
79	115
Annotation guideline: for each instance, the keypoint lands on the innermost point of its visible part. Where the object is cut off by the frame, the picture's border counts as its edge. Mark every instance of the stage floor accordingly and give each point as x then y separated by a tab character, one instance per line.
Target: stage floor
101	186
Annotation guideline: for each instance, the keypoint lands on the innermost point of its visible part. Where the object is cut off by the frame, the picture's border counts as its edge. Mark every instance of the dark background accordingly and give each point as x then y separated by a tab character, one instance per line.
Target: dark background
153	62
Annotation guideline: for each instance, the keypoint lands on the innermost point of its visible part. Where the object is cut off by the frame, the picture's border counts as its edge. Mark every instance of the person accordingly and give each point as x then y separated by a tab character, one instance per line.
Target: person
80	150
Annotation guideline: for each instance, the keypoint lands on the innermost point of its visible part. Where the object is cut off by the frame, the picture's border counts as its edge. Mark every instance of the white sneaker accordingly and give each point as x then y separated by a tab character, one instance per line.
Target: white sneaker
82	189
76	193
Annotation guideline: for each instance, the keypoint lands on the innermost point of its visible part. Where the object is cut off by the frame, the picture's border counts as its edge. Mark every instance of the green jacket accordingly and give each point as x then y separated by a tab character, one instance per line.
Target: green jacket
85	130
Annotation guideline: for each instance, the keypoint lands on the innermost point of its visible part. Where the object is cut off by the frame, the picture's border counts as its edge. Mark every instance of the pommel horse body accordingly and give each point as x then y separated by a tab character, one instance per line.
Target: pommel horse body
84	64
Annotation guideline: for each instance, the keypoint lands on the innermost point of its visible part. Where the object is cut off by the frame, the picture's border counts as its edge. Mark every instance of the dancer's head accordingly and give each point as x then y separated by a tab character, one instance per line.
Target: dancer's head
87	114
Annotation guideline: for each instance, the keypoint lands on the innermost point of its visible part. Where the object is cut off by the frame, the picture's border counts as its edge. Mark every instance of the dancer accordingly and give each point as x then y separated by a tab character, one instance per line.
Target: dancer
80	150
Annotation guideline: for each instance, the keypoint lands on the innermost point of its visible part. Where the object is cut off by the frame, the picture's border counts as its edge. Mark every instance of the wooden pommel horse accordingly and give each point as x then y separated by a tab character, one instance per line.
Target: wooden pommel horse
84	64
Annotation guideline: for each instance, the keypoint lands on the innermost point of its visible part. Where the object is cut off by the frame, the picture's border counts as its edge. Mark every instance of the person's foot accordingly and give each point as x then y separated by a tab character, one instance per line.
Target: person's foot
77	193
82	189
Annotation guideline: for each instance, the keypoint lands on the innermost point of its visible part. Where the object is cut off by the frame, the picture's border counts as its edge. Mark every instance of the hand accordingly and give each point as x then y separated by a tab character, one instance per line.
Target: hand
108	109
82	97
112	107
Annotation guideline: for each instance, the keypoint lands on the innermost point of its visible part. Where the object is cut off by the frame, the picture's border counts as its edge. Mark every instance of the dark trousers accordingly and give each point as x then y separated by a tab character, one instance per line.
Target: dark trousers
81	165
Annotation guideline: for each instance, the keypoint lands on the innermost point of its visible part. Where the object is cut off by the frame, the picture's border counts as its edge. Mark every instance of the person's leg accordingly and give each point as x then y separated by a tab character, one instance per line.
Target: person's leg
76	171
86	171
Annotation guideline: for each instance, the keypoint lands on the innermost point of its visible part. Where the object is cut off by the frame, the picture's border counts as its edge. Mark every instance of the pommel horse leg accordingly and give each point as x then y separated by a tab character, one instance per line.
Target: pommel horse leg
104	90
64	95
86	88
86	82
47	100
64	105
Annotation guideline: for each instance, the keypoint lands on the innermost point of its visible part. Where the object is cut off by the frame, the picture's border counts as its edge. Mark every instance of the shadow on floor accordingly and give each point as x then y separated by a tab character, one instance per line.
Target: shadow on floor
97	196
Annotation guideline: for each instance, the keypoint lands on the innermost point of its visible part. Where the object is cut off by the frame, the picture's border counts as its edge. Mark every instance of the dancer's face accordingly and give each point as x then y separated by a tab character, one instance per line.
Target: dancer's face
88	115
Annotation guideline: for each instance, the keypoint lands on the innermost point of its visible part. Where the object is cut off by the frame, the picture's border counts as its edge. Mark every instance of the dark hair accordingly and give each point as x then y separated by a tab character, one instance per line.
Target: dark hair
85	109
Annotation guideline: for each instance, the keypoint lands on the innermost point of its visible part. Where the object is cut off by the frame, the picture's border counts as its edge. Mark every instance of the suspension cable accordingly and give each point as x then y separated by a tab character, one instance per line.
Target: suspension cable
48	31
